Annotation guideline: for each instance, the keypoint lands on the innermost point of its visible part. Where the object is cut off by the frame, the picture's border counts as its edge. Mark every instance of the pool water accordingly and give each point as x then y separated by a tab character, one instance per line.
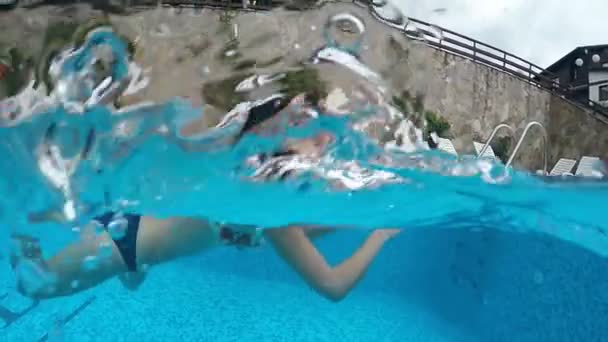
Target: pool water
486	253
427	285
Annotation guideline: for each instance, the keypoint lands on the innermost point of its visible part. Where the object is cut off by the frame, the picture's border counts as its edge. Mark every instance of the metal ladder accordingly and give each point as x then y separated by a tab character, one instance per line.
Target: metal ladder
496	129
519	142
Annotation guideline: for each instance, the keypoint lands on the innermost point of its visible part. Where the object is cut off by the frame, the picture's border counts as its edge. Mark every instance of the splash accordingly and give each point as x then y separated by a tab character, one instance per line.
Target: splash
72	151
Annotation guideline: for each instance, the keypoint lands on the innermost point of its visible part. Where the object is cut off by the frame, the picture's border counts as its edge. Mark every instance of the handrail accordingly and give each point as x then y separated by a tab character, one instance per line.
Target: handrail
489	140
477	42
501	60
521	139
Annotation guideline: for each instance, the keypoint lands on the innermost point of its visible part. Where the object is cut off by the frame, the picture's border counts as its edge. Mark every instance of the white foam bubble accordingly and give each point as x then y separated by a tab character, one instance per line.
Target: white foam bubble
118	228
90	263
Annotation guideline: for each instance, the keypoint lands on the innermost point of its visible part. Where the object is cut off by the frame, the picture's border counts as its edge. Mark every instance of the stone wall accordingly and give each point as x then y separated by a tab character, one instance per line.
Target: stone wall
475	98
574	132
179	53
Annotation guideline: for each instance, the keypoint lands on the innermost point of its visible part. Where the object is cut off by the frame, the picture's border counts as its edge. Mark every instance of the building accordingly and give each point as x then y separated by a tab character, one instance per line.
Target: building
584	73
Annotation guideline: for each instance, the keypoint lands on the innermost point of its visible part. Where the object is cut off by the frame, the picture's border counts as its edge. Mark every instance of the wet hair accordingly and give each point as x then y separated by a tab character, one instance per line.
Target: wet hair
262	113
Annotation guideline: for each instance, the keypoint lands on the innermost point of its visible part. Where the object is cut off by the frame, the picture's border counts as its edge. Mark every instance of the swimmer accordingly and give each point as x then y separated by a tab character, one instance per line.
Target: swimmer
146	240
149	241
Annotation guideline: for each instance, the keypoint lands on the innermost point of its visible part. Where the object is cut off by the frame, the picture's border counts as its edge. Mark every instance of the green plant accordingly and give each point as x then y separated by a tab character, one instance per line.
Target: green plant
502	147
409	104
418	103
402	103
306	81
221	94
131	46
18	71
437	124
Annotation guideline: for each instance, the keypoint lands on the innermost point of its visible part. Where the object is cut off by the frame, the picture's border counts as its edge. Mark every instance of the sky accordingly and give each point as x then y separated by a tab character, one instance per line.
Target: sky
540	31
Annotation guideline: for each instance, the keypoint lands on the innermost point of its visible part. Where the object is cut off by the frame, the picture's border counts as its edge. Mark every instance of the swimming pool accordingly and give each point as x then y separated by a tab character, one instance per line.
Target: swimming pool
487	253
429	285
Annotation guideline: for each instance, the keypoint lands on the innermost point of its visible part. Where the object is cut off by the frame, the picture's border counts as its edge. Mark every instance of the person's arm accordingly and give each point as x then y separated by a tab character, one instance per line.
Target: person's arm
334	283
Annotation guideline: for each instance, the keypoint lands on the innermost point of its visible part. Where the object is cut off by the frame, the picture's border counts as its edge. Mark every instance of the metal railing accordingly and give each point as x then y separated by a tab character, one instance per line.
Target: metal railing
457	44
258	5
489	140
433	35
521	140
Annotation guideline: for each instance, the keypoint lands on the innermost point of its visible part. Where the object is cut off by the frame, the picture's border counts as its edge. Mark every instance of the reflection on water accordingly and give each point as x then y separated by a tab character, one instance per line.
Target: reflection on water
164	115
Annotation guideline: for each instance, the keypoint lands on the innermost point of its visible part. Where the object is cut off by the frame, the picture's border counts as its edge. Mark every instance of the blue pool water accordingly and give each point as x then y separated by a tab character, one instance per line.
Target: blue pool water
483	256
427	285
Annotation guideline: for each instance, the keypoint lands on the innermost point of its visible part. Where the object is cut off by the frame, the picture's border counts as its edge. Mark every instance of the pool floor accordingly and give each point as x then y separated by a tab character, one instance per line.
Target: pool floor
431	285
180	304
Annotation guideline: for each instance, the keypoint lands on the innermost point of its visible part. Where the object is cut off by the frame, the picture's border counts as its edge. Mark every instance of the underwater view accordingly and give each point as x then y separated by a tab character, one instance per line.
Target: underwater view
303	170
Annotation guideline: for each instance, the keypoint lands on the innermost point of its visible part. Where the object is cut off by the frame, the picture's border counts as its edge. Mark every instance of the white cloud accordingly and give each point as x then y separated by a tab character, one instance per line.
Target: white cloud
541	31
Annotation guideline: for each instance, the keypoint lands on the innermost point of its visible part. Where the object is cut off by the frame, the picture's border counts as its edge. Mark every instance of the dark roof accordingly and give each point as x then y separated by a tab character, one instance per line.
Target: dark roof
554	66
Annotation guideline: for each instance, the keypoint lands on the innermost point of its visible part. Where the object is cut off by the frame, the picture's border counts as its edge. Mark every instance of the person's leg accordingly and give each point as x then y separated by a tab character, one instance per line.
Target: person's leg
95	258
79	266
166	239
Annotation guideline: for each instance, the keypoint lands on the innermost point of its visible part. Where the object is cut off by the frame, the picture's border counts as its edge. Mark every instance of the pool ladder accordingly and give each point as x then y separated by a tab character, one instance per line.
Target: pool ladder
519	142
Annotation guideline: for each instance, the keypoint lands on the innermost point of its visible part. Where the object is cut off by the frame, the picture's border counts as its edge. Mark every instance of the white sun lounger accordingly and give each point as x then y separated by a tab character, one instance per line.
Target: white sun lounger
446	146
489	153
563	167
585	166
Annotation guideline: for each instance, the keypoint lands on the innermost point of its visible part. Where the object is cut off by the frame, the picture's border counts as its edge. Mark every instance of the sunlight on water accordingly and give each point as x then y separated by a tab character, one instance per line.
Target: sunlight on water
73	149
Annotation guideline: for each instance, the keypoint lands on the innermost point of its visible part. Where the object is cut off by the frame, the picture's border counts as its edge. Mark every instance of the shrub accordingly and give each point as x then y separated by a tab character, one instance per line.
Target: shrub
437	124
305	81
17	75
502	147
221	94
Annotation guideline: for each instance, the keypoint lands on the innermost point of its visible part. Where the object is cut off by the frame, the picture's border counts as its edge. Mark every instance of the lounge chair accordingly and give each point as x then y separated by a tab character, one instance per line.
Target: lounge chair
489	153
446	146
563	167
585	166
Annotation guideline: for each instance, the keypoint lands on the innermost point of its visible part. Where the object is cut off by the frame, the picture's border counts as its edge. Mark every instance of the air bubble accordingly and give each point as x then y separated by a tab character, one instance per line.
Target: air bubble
90	263
118	228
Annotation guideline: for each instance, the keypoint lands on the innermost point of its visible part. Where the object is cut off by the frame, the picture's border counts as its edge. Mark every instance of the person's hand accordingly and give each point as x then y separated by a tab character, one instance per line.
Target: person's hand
388	233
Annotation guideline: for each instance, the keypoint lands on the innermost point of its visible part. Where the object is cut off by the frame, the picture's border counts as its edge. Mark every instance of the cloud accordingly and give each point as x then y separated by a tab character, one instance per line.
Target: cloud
540	31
